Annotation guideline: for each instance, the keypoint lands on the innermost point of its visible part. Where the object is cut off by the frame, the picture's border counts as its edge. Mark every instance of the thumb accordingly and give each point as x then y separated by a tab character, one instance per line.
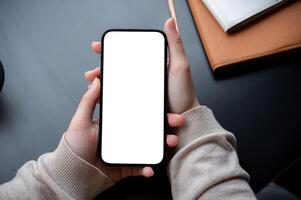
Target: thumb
86	107
176	48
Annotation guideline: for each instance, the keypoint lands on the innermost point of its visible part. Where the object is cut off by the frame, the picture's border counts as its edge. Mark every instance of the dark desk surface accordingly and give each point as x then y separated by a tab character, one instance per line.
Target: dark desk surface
44	48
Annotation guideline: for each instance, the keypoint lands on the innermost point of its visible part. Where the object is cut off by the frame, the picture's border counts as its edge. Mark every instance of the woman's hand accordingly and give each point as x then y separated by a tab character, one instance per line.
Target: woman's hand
180	85
83	134
181	95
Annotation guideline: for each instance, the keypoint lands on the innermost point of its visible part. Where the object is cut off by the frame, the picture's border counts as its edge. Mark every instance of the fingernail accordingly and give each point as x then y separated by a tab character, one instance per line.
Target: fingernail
87	72
173	24
94	43
148	172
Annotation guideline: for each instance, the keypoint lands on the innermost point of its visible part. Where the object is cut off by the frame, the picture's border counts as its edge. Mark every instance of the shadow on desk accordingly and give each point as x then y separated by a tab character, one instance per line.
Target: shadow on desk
139	188
260	64
5	115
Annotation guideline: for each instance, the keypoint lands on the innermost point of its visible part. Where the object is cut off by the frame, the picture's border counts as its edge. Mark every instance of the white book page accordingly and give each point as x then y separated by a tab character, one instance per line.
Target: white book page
231	12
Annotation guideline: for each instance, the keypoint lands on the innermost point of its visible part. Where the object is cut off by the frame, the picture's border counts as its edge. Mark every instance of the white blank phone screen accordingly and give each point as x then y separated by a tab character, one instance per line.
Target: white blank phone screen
132	129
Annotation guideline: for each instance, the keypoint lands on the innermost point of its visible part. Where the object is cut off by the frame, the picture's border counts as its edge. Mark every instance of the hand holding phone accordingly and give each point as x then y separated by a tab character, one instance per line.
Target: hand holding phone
82	134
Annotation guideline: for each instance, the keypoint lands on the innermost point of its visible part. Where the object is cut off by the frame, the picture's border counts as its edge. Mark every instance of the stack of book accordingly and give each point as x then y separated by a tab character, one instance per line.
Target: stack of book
237	31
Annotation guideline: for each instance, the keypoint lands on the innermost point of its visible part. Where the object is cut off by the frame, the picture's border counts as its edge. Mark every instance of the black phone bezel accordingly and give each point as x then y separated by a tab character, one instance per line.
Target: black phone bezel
101	96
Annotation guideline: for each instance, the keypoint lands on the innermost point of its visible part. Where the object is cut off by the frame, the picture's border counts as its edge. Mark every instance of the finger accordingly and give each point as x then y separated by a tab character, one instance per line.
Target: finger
96	47
89	85
142	171
176	48
147	172
92	74
172	140
88	102
175	120
96	121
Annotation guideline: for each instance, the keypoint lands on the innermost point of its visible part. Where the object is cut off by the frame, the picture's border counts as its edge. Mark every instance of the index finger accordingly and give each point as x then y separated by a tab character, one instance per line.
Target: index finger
92	74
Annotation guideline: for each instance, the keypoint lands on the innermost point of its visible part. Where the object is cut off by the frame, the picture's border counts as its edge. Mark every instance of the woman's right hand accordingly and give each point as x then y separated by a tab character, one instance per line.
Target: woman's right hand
181	94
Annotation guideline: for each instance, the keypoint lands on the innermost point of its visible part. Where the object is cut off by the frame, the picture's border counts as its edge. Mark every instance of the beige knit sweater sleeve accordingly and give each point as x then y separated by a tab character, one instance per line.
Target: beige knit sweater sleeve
205	166
57	175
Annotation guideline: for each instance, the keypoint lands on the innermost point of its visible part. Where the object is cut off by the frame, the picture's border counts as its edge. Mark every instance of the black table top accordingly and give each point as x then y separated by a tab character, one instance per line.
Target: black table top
44	48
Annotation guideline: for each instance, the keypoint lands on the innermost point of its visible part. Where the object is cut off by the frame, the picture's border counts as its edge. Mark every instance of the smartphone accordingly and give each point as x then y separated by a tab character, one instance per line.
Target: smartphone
133	103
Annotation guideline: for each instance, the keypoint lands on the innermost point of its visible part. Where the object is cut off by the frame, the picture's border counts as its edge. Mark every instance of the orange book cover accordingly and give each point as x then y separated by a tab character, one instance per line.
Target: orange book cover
275	33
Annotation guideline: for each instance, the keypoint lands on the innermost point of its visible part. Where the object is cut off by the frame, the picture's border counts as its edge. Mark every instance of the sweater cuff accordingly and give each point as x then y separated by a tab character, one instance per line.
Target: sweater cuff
200	121
75	176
